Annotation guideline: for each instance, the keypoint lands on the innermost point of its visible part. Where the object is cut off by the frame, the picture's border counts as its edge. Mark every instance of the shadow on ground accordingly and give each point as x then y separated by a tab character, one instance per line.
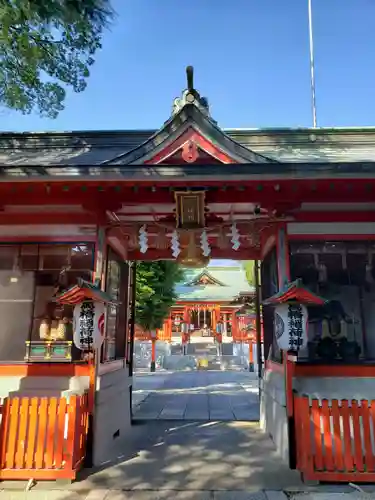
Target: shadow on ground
194	456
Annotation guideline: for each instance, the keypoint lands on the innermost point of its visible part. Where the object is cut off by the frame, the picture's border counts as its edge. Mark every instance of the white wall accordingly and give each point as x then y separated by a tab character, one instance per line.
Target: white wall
112	415
273	416
42	386
335	387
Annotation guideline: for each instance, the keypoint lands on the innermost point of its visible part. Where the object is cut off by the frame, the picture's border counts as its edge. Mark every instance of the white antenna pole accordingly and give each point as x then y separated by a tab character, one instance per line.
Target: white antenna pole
312	66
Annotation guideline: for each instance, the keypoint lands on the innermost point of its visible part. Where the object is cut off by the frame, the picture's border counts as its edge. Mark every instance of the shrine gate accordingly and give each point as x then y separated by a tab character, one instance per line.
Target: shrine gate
89	205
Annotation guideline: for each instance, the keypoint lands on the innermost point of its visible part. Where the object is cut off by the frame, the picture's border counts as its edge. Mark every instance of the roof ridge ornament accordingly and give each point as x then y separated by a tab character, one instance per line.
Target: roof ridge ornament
190	77
190	96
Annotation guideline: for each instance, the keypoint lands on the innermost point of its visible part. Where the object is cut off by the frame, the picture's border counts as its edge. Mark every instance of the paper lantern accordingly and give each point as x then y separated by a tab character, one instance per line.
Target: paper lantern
290	326
88	325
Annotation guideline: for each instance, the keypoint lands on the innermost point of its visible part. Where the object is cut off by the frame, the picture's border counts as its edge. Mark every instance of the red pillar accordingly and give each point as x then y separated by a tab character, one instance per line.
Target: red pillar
166	336
168	329
251	354
186	325
153	353
234	327
216	320
153	350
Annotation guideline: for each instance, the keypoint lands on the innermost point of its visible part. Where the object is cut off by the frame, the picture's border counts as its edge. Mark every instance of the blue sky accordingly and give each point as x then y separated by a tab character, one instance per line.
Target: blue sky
250	57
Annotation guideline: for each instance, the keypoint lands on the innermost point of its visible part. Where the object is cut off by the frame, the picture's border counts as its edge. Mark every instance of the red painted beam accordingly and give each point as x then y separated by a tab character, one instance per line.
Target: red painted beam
108	195
345	216
279	184
318	216
81	238
244	228
92	218
288	197
46	218
216	253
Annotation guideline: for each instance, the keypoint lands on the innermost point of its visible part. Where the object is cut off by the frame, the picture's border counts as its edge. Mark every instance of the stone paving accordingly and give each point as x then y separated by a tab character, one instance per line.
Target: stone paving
196	395
178	495
194	456
144	383
366	494
145	495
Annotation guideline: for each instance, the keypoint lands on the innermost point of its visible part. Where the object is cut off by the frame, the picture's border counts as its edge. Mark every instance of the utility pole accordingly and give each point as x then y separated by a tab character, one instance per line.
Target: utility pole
312	65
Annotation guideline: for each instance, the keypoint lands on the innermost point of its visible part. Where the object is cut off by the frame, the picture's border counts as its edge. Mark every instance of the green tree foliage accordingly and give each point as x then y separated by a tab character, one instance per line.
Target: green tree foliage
47	46
155	292
248	266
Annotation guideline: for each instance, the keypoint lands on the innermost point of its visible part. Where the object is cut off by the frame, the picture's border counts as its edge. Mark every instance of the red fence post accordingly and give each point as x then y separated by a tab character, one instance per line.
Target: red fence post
4	431
334	441
70	441
43	438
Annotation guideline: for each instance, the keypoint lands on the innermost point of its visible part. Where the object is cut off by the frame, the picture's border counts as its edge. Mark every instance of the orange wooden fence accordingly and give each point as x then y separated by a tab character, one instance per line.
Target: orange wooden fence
43	438
335	441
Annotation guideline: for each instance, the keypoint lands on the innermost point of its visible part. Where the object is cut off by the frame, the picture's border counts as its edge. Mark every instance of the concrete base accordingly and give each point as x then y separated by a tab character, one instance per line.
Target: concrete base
112	423
273	417
335	387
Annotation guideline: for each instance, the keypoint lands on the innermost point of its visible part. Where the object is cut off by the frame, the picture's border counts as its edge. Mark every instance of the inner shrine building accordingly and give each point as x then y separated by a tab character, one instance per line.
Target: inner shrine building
216	302
213	296
90	204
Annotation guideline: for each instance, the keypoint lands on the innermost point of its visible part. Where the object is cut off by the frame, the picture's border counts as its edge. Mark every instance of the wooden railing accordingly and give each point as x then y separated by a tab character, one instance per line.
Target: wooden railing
43	438
335	441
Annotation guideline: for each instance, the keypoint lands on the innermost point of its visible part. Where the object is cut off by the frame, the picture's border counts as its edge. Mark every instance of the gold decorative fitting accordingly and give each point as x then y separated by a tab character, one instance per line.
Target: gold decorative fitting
190	209
190	152
44	329
193	262
191	255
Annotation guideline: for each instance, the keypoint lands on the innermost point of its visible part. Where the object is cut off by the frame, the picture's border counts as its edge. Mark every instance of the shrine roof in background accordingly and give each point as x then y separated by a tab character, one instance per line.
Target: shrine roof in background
231	282
205	277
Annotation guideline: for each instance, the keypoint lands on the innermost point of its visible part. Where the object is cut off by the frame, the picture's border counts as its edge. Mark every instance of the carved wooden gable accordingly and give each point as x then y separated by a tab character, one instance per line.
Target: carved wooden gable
205	278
